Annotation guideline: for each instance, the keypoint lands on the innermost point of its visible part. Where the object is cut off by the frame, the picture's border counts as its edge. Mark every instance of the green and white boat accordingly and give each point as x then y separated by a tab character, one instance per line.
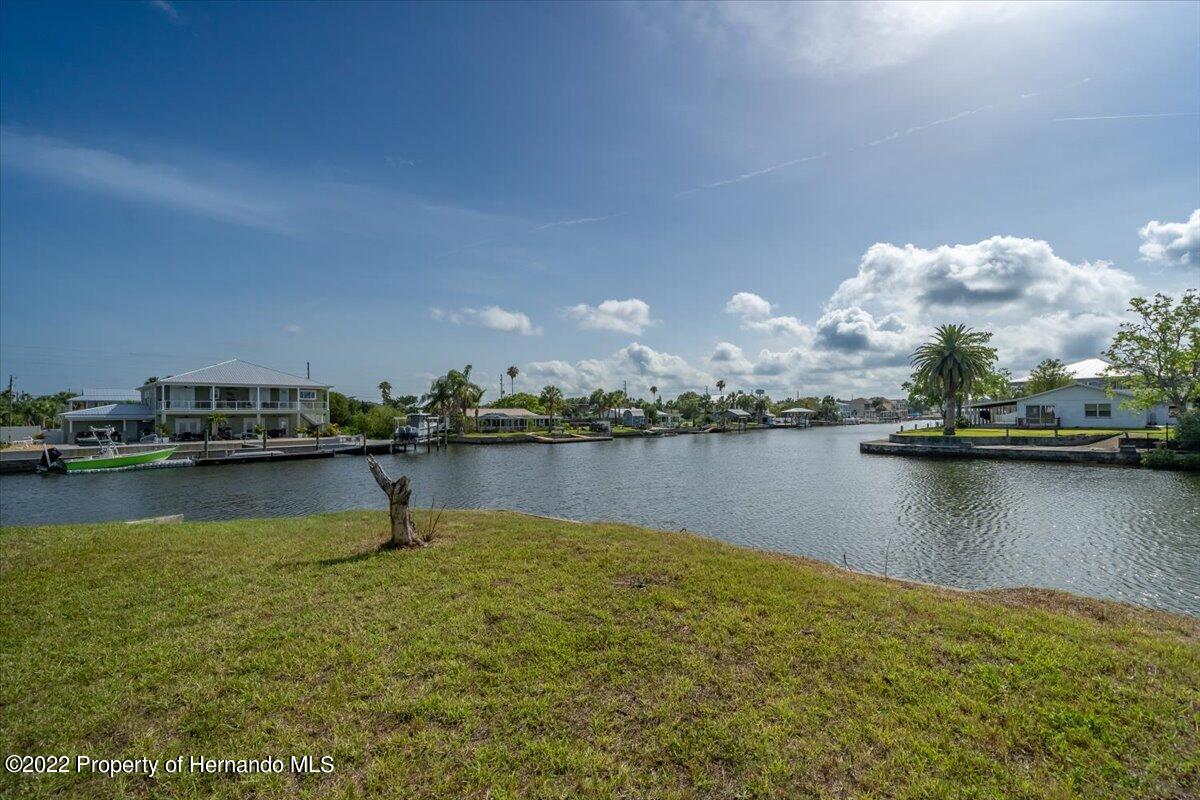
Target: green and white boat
108	458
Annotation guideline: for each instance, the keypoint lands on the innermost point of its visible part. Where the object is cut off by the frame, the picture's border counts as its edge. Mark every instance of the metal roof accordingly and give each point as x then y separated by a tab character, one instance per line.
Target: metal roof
236	372
111	411
108	395
1088	369
1014	400
511	413
797	411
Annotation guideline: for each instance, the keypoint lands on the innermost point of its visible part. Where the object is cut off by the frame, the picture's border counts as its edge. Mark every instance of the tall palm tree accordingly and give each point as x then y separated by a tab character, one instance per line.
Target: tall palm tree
513	372
466	394
654	395
551	398
955	359
385	391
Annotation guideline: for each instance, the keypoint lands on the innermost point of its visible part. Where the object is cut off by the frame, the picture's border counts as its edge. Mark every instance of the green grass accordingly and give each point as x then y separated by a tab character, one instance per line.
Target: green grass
521	657
1143	433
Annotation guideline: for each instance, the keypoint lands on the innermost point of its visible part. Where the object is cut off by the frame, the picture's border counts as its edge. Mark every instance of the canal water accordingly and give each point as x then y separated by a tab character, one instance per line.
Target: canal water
1113	532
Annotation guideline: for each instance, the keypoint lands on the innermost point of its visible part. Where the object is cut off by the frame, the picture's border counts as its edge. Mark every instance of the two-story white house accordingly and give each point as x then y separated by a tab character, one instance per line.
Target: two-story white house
245	394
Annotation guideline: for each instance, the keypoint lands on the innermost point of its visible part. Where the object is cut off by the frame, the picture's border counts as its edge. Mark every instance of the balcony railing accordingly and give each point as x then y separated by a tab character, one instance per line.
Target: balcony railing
241	405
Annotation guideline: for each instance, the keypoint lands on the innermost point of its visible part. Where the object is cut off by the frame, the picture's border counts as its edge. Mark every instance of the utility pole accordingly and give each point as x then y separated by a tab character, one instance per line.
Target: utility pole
501	385
10	399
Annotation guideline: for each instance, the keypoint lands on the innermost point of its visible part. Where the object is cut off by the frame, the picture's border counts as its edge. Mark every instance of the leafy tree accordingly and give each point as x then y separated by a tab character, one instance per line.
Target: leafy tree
1187	430
512	373
385	391
996	385
690	405
551	398
1051	373
1157	357
827	409
340	411
525	400
955	360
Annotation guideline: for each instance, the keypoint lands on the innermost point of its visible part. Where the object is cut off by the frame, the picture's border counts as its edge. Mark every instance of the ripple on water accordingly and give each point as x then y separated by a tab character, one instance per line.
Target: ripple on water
1109	532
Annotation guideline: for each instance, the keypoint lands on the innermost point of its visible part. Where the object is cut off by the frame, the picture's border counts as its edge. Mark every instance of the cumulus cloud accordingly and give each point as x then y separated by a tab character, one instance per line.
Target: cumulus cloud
638	364
293	329
1036	304
748	304
755	312
492	317
1172	242
1000	274
622	316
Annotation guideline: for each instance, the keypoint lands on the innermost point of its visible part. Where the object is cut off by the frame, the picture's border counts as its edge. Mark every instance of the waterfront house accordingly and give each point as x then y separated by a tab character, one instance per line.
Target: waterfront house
1080	405
629	417
797	416
506	420
734	415
246	394
844	408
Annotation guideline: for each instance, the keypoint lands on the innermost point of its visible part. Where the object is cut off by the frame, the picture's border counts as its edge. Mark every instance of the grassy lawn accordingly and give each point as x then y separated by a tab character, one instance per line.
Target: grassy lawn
521	657
1152	433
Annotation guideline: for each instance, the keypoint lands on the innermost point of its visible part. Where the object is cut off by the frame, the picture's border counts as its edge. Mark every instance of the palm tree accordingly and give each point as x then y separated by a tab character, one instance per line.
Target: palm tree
513	372
597	399
385	391
551	397
954	360
654	395
465	394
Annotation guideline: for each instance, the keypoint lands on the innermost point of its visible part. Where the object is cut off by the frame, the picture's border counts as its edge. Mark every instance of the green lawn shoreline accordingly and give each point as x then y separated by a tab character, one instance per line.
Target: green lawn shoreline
525	657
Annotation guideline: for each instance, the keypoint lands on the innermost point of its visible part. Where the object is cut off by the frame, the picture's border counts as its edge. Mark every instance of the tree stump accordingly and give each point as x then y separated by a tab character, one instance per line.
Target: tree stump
404	531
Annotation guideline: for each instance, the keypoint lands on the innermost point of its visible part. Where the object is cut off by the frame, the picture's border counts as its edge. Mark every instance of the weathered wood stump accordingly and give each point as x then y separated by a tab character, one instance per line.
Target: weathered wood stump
404	530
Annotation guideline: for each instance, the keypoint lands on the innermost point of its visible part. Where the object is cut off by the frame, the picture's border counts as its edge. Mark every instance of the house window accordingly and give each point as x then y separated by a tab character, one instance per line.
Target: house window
308	394
1097	409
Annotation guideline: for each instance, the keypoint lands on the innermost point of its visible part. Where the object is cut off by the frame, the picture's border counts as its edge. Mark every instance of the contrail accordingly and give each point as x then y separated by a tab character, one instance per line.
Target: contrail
1129	116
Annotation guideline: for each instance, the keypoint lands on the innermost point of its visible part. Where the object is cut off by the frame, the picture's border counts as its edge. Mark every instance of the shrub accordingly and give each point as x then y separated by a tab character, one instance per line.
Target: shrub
1187	430
1159	458
1188	461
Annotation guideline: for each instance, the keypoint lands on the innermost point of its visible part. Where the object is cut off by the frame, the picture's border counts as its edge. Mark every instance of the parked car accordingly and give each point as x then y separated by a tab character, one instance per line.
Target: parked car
87	439
249	435
189	436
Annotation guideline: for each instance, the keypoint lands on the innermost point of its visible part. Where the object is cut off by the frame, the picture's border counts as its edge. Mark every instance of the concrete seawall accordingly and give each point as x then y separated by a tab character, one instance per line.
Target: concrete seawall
1063	454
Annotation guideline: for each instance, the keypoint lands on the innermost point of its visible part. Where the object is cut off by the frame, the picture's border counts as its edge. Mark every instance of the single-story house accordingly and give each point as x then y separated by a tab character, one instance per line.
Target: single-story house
1080	405
734	415
629	417
797	416
505	420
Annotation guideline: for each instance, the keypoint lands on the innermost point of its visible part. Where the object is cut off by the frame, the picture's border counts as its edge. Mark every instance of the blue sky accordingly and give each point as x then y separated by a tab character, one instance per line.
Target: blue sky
787	197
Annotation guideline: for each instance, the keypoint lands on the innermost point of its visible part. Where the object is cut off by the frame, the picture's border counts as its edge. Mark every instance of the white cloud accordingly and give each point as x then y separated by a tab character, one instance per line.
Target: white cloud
293	329
637	364
493	317
997	275
826	37
567	223
1172	242
755	312
748	304
622	316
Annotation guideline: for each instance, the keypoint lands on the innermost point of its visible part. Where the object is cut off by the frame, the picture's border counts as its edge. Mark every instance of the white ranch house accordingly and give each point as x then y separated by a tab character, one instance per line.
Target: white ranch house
246	394
1080	405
